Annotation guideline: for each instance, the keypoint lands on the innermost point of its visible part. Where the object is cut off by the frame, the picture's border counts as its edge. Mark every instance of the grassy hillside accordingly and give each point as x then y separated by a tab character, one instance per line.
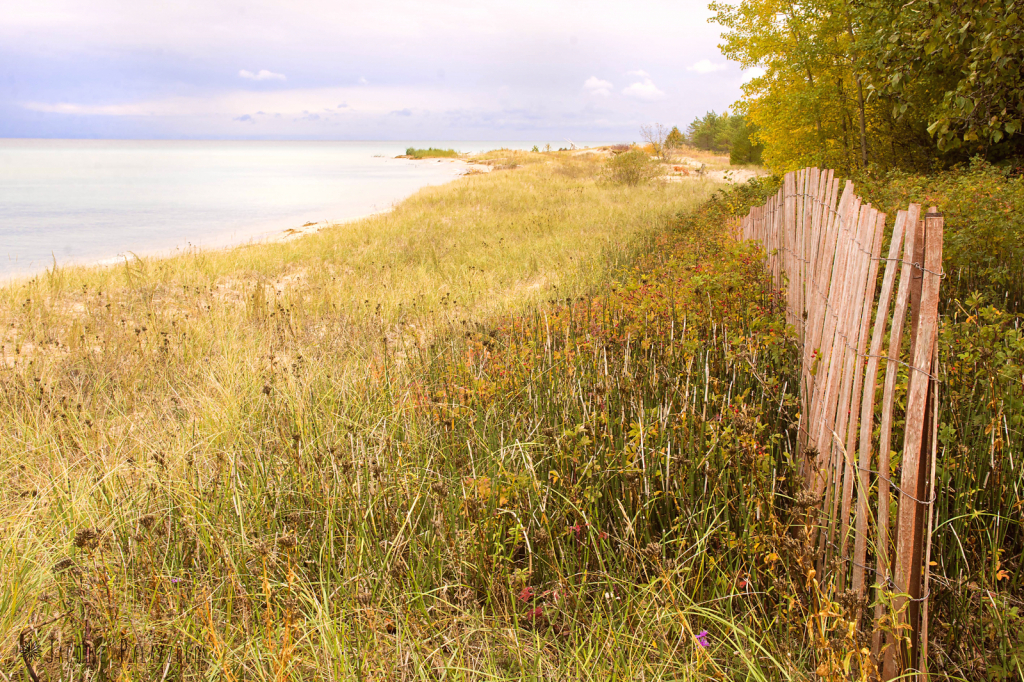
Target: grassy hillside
231	464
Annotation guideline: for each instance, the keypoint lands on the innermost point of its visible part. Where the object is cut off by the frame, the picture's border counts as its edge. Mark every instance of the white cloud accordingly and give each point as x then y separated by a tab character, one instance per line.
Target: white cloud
596	86
755	72
261	75
290	102
639	73
644	90
89	109
705	66
363	81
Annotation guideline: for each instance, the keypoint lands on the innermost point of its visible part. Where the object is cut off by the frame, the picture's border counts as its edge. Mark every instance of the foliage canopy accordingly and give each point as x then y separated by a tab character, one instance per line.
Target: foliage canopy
848	85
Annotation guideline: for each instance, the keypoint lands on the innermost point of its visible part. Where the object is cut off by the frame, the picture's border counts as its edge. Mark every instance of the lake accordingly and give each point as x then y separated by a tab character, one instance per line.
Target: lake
87	201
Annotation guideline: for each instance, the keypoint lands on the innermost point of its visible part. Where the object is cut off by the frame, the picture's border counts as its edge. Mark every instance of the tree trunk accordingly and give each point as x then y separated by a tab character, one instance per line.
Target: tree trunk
863	126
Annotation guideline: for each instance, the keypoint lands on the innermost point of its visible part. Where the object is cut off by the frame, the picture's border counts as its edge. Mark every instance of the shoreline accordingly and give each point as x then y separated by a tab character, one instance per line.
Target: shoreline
245	236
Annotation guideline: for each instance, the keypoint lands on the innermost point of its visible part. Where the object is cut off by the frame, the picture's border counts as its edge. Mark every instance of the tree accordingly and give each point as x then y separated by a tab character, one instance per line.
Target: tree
711	132
809	106
655	135
850	84
959	64
743	149
675	139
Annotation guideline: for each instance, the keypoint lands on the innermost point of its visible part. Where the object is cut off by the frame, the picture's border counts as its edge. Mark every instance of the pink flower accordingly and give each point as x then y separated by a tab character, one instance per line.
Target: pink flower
702	639
526	595
535	614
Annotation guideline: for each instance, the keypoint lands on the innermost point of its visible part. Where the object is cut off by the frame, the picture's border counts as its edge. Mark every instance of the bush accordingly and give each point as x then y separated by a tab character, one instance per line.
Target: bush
632	168
984	238
430	153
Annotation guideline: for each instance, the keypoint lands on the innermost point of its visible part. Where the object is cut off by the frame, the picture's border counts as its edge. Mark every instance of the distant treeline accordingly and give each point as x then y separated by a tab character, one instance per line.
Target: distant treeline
724	133
720	133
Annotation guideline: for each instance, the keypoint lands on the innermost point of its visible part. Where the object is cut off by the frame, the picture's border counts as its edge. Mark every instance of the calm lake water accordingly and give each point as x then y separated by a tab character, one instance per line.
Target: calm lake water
82	201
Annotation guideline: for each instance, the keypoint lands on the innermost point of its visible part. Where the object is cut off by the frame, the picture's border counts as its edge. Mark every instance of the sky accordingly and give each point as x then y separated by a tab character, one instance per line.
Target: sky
369	70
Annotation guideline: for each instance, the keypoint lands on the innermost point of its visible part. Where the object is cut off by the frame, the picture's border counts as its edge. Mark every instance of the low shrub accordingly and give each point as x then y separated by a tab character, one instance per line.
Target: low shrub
430	153
634	167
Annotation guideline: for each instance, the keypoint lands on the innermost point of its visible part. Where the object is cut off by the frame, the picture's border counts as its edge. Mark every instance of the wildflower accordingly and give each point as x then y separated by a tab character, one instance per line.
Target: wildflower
535	615
526	594
702	639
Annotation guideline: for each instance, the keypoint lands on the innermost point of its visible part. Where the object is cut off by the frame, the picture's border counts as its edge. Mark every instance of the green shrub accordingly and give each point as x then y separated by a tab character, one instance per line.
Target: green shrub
430	153
983	245
634	167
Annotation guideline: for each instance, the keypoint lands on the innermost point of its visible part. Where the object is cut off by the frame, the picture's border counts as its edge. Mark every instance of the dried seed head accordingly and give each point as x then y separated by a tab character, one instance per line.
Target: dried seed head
653	550
439	488
805	499
147	521
541	537
287	541
87	538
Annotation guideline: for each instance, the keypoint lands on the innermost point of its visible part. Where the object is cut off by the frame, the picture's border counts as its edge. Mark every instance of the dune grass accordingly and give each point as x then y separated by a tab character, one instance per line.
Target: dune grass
235	465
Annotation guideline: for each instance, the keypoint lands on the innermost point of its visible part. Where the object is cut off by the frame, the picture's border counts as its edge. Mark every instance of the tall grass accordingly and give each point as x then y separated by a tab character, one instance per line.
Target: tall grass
235	464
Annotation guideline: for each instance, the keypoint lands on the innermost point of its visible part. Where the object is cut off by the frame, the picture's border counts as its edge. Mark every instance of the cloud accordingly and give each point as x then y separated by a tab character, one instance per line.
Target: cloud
88	109
402	112
261	75
639	73
596	86
245	119
644	90
705	66
363	81
755	72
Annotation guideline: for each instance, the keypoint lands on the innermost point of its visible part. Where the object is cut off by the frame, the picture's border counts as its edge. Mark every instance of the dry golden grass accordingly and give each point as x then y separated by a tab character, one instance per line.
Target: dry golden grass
159	402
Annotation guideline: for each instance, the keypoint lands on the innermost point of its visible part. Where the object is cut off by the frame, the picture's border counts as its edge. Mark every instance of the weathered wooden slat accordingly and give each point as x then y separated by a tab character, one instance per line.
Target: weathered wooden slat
922	661
788	243
853	418
827	290
888	401
833	280
838	401
798	253
867	411
822	218
828	397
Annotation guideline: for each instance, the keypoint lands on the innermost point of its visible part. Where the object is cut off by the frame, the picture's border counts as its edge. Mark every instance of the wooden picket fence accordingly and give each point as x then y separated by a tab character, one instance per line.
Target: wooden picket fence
824	254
